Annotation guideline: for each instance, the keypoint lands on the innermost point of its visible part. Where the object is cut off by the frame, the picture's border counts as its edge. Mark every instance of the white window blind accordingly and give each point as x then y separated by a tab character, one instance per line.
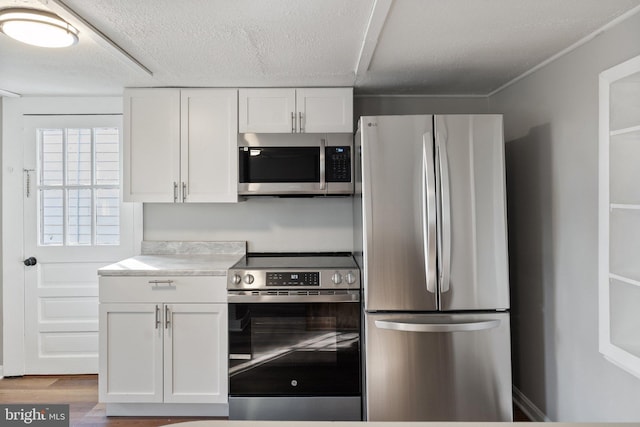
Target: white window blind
79	186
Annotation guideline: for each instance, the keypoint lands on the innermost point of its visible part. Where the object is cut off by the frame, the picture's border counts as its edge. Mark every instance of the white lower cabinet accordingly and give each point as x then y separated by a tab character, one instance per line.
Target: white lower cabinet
131	360
195	368
165	353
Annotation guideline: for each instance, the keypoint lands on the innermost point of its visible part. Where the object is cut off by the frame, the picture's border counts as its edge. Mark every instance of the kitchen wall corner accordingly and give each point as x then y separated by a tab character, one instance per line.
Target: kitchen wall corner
551	129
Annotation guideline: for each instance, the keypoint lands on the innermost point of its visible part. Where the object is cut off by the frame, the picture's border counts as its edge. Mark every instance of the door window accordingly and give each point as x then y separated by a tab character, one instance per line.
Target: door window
78	186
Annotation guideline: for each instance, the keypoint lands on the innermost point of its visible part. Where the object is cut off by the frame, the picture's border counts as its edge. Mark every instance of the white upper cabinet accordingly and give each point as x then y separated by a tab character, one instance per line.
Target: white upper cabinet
209	157
310	110
325	110
180	145
267	110
151	144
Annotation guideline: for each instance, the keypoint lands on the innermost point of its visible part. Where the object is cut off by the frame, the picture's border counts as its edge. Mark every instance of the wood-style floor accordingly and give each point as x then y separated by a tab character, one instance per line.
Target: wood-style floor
81	393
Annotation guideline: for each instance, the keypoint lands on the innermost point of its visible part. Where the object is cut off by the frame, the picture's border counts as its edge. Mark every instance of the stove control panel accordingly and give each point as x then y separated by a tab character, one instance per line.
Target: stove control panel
298	279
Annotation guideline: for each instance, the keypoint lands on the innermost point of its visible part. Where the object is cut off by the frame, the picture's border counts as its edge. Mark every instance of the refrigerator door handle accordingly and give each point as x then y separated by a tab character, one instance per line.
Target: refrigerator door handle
445	203
429	211
417	326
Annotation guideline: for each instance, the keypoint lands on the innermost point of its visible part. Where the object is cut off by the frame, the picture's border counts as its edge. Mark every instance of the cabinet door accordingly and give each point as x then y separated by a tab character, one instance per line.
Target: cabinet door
151	144
267	110
130	353
325	110
195	353
209	157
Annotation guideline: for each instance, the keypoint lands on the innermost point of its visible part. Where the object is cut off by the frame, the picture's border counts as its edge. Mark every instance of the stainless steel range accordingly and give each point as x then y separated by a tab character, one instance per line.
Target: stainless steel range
294	338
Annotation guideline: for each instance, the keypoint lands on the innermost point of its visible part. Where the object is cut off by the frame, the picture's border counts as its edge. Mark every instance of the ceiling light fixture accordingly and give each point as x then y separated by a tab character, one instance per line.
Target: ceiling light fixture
37	27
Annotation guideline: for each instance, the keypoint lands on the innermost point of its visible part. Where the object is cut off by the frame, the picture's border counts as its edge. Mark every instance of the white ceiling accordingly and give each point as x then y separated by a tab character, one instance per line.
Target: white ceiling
378	46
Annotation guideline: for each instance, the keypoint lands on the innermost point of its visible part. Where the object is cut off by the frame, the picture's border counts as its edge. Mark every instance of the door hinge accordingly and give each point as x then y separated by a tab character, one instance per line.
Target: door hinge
28	181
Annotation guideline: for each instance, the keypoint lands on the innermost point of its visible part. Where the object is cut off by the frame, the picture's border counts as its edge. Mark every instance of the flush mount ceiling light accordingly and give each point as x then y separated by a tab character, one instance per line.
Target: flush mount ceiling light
37	27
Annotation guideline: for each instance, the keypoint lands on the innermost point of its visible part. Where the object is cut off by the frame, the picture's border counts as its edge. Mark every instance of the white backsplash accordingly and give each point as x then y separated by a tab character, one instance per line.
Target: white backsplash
160	247
267	224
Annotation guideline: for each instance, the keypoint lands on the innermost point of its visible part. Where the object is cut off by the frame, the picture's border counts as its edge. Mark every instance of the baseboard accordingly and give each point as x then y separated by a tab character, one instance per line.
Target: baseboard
527	406
167	410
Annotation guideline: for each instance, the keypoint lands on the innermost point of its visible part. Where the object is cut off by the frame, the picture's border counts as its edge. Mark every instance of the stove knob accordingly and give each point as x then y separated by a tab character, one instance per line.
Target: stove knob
236	279
248	279
336	278
351	278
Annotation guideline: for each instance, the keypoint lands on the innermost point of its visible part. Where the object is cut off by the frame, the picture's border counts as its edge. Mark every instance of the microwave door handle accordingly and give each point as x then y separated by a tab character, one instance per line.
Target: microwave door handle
323	177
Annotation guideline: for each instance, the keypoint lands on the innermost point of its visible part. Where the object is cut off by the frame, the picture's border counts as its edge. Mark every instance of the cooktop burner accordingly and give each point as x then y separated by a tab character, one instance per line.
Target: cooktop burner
296	260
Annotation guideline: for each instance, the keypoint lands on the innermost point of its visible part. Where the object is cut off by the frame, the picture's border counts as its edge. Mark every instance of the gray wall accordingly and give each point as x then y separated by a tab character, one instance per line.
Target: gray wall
551	125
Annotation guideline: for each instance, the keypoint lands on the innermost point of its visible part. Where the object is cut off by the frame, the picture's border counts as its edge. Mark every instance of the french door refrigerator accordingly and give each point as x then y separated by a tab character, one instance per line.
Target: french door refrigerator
431	243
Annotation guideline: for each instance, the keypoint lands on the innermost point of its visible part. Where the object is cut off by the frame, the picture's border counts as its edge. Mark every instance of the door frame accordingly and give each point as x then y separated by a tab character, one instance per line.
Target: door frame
13	110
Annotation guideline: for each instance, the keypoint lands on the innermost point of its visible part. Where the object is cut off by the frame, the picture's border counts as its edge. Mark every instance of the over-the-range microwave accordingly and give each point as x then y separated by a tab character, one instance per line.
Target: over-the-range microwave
302	164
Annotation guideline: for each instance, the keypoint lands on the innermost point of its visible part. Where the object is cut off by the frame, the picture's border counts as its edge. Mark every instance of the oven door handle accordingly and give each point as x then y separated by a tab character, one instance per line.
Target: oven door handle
238	297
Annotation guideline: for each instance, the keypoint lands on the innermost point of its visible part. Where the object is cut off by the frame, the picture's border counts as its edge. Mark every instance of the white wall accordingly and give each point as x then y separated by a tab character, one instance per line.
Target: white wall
373	105
551	125
268	224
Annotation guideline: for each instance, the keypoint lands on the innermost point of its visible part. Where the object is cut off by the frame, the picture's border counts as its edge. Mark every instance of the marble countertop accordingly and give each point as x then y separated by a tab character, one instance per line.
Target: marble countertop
172	265
179	259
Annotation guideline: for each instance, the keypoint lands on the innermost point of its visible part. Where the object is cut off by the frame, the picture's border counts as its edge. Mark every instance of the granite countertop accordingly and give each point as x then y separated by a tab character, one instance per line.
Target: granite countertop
179	259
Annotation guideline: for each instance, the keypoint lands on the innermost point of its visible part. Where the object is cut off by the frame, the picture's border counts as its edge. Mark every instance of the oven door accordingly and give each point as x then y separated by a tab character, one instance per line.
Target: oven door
294	349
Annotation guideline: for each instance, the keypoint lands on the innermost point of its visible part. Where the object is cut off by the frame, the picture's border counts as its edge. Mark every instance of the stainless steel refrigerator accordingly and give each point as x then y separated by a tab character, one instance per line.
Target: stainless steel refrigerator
431	243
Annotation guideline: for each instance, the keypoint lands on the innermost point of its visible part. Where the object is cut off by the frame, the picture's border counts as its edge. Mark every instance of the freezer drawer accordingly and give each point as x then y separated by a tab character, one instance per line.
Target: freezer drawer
435	367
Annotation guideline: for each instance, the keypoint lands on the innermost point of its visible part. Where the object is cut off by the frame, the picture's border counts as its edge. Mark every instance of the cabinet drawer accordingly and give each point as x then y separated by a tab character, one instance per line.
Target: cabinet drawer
164	289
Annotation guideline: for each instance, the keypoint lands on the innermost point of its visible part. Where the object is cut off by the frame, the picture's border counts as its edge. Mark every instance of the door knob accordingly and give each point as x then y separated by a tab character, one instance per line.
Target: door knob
30	261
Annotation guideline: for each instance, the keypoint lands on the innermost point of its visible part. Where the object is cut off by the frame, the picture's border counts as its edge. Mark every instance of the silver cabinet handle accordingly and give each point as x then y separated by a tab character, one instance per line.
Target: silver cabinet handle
293	122
175	192
167	317
323	172
157	283
184	192
157	316
429	212
300	127
417	326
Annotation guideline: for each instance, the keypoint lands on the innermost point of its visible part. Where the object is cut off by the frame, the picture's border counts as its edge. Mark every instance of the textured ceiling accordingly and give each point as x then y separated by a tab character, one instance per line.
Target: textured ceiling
378	46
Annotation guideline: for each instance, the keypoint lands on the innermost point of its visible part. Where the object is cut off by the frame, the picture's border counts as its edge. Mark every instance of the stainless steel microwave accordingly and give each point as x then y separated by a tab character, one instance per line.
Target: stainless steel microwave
281	164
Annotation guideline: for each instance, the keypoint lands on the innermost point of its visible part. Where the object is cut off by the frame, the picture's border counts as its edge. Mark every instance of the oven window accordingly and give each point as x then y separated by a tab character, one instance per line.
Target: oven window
279	164
296	349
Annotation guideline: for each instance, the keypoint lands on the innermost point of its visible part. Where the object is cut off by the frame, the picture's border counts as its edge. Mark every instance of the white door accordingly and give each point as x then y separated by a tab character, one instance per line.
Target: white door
74	223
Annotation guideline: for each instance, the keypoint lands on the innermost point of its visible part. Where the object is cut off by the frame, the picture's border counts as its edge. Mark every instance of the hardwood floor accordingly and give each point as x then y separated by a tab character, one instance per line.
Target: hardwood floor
81	393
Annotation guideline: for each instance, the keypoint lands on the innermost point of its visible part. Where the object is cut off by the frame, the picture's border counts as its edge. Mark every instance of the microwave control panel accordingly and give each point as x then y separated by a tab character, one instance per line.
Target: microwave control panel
338	164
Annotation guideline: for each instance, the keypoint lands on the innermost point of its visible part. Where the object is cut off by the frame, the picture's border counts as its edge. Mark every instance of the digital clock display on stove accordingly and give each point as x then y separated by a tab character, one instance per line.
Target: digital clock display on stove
306	278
